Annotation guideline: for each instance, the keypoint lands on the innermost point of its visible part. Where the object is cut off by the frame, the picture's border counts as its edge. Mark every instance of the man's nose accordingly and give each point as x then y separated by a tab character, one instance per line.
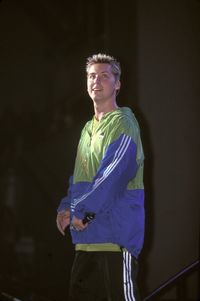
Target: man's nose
97	79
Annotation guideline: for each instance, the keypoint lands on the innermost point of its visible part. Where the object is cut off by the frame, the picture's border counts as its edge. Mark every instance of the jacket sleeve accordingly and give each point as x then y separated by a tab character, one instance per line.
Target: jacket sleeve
66	201
117	168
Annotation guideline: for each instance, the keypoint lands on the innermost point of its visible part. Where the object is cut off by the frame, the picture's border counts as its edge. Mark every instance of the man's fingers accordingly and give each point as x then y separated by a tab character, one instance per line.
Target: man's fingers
59	225
63	220
78	224
60	228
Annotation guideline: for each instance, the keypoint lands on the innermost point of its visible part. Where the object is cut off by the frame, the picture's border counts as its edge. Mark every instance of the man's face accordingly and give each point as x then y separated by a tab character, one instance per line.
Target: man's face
101	83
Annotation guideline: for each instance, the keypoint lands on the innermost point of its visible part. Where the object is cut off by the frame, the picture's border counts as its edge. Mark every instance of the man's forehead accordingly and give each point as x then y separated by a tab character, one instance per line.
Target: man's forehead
100	68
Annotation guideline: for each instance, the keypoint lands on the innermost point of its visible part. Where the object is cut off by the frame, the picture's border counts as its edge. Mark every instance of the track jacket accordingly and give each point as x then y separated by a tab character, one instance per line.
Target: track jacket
108	181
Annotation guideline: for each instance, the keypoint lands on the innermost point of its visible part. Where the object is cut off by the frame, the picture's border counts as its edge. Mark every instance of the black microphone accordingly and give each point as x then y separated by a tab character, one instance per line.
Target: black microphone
89	216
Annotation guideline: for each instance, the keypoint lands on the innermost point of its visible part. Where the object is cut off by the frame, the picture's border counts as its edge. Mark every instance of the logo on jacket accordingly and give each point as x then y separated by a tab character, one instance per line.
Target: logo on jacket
101	135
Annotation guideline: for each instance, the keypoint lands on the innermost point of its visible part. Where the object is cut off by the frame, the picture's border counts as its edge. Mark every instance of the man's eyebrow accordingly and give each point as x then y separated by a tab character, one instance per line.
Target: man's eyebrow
97	73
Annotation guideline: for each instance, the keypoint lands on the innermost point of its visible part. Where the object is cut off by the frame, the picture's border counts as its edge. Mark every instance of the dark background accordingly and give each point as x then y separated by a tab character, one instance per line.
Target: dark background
43	106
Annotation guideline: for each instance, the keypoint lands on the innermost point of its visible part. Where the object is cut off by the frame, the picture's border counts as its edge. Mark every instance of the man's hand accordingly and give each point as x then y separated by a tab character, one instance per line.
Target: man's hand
78	224
63	220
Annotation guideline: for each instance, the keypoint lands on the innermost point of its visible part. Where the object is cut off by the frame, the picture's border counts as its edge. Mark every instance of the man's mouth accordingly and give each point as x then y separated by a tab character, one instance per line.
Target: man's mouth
96	90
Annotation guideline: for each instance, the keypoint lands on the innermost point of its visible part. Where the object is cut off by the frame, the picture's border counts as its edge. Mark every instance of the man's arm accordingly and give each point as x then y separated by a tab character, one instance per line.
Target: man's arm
117	168
63	211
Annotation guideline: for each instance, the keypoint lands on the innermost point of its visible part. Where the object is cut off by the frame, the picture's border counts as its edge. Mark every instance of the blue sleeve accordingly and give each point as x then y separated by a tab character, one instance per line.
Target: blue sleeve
117	168
66	201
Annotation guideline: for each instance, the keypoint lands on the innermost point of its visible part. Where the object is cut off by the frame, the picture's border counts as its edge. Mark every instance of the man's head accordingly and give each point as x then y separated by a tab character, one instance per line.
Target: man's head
105	59
103	78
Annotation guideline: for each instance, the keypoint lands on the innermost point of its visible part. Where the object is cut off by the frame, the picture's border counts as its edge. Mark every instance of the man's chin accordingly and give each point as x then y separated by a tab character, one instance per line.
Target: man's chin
96	98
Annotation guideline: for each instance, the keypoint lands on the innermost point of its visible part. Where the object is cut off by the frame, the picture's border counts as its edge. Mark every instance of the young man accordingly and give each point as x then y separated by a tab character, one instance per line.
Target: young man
105	202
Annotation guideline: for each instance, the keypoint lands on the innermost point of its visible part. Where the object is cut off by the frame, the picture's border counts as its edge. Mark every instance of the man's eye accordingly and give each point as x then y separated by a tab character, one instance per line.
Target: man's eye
91	76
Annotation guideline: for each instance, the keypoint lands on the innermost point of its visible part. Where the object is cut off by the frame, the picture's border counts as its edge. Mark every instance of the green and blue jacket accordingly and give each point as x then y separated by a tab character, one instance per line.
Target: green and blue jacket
108	181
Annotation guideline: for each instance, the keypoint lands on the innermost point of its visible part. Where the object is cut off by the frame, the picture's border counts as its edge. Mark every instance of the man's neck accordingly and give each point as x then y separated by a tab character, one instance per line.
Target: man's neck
101	110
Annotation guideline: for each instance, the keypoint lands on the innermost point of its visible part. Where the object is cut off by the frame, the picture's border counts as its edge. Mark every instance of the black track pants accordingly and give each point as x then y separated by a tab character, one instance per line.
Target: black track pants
103	276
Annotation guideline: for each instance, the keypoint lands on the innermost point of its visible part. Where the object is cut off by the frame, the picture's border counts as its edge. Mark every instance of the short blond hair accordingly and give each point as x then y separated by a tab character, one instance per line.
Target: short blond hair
101	58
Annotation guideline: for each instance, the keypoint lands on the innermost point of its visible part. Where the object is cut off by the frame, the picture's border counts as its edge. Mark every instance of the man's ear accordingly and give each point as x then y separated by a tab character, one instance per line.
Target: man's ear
117	85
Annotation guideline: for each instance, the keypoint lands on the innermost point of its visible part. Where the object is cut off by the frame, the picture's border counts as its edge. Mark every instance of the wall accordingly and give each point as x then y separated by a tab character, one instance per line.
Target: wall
168	92
44	105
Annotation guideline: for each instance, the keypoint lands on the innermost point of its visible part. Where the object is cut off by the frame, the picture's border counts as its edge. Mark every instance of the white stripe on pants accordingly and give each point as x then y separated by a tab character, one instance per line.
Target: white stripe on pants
128	283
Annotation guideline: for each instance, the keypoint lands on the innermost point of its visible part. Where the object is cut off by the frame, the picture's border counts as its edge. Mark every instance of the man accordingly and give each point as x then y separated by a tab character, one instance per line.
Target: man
105	202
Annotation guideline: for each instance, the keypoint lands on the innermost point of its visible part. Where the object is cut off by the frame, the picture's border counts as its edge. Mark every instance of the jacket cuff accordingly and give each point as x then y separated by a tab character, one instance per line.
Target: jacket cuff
79	215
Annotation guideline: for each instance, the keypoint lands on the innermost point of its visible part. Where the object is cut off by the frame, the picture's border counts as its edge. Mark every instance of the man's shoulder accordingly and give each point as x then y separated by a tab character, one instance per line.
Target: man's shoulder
87	125
125	117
